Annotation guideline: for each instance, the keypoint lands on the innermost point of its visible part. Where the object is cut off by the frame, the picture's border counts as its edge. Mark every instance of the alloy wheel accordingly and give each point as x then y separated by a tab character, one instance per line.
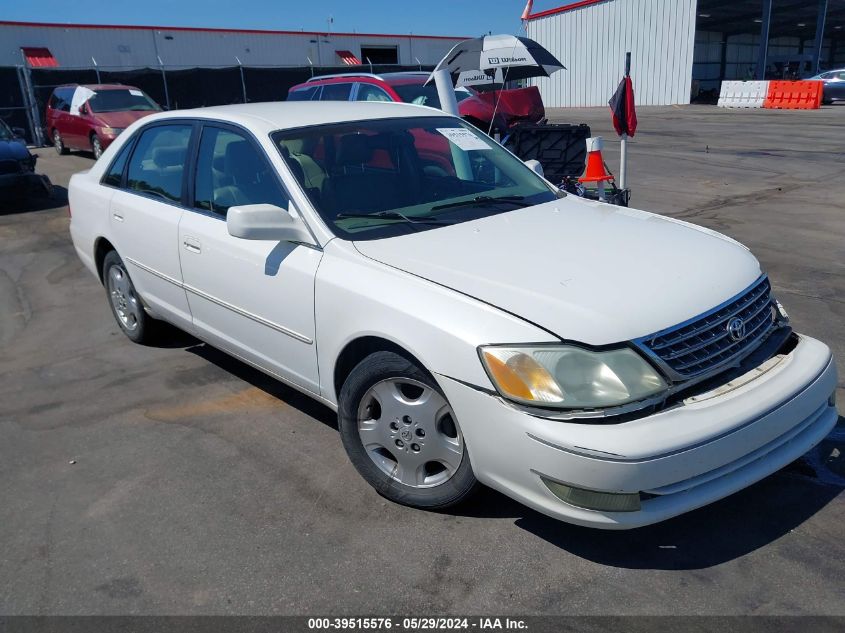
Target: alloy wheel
123	298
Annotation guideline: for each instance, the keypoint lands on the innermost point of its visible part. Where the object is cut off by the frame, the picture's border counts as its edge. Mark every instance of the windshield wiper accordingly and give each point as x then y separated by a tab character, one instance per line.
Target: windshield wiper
478	200
393	215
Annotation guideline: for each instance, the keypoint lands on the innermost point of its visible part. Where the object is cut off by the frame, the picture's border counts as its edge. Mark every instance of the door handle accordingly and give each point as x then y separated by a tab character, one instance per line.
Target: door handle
117	216
192	244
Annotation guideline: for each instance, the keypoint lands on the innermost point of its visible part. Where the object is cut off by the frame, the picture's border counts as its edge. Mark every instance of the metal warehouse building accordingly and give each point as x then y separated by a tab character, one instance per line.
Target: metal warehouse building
187	67
683	49
82	46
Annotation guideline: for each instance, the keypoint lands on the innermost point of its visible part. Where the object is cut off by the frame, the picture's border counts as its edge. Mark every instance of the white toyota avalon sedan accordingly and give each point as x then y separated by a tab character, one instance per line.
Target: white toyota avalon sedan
468	321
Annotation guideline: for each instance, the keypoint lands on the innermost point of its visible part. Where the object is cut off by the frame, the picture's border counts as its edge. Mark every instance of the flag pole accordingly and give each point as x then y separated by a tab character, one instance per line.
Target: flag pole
623	143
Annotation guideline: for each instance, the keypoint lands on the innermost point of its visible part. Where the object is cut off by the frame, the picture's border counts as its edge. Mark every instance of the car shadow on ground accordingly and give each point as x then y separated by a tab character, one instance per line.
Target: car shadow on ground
268	384
35	203
712	535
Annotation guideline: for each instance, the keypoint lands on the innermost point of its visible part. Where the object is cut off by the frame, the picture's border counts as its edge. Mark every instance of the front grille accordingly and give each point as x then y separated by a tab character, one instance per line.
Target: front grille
705	343
9	167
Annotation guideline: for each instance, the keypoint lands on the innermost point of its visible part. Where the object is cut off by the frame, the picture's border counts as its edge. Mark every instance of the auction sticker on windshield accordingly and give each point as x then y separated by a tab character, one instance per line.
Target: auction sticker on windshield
464	139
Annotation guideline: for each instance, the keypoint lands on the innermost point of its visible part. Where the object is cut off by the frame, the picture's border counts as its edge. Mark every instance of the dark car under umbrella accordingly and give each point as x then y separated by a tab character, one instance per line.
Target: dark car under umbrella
516	58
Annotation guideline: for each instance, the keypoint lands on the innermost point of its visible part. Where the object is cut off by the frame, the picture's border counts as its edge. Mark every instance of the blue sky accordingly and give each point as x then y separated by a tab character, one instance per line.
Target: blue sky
426	17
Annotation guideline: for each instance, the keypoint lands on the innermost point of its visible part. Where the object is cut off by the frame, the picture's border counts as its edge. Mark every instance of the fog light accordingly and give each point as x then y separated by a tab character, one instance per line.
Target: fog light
592	499
831	402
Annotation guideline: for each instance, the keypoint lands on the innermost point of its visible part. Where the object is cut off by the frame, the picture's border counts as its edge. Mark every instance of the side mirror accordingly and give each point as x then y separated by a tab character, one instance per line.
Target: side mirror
536	167
266	222
83	109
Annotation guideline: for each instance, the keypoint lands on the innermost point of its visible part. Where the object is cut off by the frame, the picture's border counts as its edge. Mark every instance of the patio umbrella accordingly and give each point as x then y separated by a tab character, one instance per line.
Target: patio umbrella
514	57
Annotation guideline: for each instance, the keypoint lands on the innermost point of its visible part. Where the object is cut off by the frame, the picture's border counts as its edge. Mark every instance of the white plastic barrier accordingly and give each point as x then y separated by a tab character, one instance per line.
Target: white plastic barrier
743	94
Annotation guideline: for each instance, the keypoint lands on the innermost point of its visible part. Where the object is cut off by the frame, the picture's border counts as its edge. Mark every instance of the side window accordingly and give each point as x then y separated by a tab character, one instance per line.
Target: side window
115	173
158	162
232	171
336	92
303	94
63	97
369	92
54	101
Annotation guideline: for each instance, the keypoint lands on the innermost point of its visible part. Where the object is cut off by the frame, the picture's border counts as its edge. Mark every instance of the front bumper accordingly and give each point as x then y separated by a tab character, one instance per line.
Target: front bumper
680	458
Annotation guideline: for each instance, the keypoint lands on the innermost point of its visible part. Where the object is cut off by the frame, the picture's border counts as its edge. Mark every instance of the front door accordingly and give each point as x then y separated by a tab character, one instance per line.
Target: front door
254	298
145	214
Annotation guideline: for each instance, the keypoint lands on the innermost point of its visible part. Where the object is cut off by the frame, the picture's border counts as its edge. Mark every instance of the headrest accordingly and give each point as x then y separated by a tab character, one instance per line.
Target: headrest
239	154
295	145
355	149
164	157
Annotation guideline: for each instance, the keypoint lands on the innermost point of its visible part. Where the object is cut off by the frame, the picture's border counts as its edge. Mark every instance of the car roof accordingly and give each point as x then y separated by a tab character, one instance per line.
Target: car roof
96	87
392	78
267	117
406	78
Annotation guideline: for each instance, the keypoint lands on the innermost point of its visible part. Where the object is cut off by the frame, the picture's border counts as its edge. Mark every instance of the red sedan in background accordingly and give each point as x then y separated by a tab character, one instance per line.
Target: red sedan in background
91	117
521	105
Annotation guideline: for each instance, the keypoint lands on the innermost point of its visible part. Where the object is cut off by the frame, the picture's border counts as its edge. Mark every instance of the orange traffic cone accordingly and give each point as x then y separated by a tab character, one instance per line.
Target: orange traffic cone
595	170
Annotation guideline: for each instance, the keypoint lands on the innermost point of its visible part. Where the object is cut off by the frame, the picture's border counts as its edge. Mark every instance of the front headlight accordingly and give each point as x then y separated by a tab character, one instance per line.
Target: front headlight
564	376
111	131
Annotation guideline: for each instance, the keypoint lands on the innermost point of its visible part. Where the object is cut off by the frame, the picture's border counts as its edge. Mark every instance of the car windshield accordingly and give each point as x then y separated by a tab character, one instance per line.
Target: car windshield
387	177
121	101
426	95
5	132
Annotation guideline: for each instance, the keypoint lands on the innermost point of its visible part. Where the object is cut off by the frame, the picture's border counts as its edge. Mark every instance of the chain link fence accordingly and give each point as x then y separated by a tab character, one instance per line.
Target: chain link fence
24	91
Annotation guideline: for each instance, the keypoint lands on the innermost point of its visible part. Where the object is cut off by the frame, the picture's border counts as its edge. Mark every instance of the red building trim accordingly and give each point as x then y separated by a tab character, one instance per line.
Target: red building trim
135	27
563	9
38	57
348	58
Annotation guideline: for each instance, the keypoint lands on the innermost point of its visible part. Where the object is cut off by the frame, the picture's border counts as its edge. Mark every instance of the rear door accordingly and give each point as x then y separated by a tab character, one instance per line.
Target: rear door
76	127
61	113
254	298
145	214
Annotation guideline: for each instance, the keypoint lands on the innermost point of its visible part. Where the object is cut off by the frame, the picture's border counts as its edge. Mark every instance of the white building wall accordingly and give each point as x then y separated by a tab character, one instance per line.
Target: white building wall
74	46
591	41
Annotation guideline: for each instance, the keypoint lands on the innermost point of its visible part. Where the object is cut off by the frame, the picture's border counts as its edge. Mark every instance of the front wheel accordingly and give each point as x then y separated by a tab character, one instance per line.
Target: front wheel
401	434
96	147
125	304
59	144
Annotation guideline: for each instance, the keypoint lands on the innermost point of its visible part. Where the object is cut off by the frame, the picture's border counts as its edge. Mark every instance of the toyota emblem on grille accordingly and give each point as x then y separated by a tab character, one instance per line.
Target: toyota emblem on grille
736	329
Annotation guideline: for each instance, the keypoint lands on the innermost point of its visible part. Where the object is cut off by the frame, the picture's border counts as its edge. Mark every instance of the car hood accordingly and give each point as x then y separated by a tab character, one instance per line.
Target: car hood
585	271
13	150
122	119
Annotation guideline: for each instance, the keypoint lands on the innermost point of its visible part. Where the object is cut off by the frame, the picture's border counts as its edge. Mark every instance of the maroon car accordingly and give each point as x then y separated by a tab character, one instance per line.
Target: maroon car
522	105
91	117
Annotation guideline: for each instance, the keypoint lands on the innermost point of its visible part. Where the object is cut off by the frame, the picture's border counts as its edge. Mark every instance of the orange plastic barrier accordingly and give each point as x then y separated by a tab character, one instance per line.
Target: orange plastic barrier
794	95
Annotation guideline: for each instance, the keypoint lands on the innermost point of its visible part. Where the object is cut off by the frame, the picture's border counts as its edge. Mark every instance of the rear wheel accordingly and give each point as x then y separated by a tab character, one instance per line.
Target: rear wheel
59	144
124	301
96	147
401	434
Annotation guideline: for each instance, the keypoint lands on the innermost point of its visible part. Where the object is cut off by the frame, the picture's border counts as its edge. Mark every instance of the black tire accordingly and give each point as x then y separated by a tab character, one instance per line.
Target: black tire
143	328
378	367
59	144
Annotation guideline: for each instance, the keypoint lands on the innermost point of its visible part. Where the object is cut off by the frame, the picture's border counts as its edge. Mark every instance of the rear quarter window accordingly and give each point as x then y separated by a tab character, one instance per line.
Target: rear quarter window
114	176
